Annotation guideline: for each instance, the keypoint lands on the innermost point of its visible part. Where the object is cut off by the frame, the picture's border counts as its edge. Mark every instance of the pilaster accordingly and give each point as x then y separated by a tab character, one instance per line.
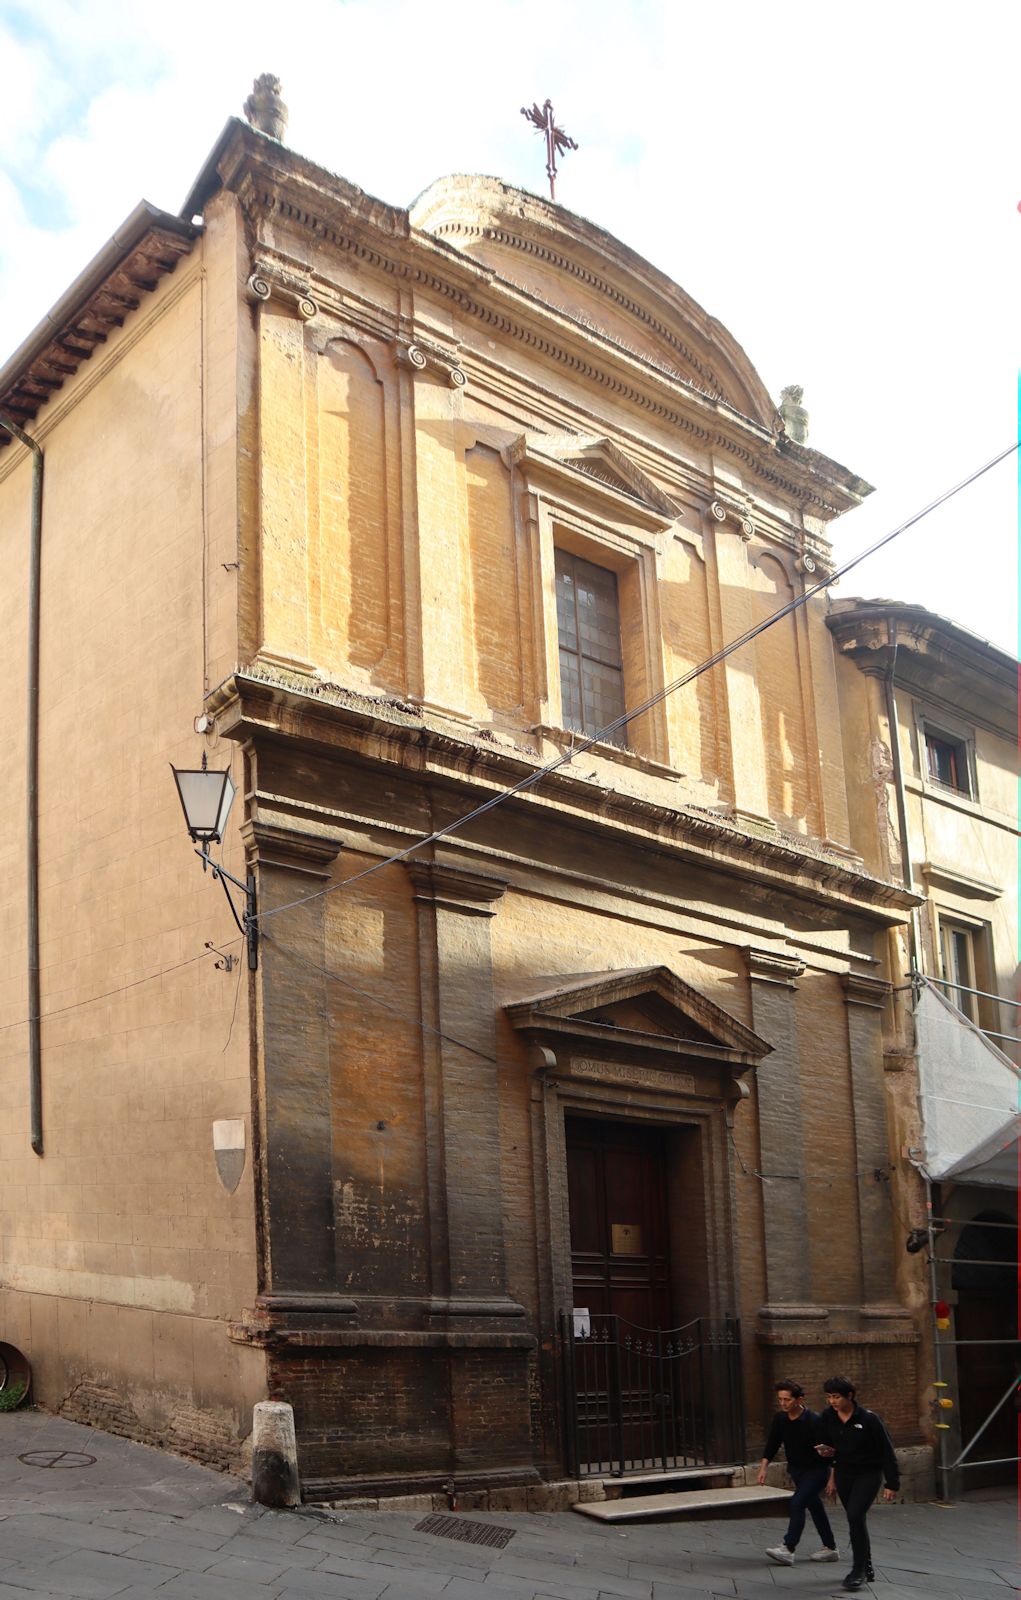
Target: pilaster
446	677
865	998
748	770
283	632
466	1210
294	1062
773	978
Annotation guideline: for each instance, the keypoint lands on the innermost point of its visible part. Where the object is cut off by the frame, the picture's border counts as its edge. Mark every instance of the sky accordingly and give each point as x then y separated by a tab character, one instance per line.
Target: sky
838	184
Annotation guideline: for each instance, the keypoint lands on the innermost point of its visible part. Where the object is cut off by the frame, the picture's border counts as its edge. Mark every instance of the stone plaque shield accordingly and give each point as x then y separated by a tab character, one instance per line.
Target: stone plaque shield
229	1151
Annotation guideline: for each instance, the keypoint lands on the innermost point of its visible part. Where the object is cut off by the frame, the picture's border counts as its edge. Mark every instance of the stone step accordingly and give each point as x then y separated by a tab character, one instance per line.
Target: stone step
704	1501
671	1475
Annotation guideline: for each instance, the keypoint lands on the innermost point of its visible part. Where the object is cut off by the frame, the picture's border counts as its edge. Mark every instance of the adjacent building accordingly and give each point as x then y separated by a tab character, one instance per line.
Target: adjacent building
389	511
933	755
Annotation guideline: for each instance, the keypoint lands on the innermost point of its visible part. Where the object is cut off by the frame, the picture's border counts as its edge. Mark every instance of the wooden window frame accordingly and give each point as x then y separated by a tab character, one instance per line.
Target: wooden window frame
960	744
590	724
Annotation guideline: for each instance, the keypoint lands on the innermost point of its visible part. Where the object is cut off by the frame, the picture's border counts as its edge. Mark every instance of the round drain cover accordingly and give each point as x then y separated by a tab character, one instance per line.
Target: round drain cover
57	1458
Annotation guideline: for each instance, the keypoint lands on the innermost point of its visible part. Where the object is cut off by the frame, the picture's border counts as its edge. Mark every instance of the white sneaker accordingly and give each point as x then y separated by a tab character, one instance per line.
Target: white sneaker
781	1555
824	1555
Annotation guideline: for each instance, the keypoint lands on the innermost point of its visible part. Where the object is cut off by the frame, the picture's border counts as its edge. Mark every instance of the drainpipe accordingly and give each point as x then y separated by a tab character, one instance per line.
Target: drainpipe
32	786
913	951
898	783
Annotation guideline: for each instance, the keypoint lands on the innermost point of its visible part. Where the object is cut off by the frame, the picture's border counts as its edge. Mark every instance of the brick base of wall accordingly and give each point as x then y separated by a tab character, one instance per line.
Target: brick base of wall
560	1495
399	1417
198	1435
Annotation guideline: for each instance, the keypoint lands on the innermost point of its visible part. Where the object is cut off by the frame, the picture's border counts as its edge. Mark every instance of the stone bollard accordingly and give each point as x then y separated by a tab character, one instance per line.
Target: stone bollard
275	1480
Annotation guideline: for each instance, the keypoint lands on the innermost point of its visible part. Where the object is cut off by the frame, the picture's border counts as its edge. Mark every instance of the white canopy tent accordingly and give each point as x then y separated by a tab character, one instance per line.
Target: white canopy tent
970	1097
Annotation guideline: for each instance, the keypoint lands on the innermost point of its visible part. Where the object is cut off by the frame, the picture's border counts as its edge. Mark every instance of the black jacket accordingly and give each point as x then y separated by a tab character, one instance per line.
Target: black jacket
798	1439
862	1444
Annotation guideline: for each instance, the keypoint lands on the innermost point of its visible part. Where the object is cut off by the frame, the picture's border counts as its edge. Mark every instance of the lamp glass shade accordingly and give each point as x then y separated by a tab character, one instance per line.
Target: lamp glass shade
206	799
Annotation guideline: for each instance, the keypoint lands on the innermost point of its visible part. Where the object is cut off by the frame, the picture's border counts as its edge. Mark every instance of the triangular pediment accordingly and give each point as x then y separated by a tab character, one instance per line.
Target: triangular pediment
604	464
650	1006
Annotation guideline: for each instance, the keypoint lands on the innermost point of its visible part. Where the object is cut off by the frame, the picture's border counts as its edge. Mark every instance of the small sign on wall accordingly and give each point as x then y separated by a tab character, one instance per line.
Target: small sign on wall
626	1239
582	1322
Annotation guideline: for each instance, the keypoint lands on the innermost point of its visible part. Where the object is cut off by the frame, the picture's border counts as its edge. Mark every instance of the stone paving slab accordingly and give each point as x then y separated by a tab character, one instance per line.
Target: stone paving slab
143	1525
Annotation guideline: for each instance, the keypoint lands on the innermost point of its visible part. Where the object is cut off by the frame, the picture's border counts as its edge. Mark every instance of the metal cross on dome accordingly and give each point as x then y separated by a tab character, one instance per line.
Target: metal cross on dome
557	140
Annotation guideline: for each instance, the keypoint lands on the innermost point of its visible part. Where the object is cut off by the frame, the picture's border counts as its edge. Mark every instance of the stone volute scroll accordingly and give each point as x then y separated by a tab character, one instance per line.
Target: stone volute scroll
720	511
265	284
429	360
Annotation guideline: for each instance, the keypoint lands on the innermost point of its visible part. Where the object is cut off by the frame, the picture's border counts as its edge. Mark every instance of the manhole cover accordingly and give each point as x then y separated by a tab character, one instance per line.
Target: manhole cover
57	1458
470	1532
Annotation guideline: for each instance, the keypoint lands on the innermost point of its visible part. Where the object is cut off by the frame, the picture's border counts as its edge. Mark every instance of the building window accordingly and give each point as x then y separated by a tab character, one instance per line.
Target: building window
946	760
957	959
591	663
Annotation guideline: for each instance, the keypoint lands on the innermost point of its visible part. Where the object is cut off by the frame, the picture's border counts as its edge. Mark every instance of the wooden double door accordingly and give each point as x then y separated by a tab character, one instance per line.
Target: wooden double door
617	1182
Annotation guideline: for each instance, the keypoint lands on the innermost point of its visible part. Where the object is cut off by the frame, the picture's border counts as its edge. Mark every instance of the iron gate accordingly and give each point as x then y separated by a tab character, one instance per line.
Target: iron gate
642	1399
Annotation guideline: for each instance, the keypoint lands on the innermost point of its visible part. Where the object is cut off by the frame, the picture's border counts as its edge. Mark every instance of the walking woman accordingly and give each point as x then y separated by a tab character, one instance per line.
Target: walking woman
857	1444
796	1428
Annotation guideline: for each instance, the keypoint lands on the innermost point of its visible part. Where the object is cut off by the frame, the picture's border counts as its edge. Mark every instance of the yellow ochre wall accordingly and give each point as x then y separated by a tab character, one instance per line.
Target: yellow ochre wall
403	550
122	1256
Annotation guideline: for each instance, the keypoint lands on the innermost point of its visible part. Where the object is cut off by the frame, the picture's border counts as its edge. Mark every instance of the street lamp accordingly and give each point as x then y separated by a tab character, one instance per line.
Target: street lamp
206	798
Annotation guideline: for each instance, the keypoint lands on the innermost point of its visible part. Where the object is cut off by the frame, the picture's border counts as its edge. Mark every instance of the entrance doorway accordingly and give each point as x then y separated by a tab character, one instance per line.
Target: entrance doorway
617	1182
988	1355
652	1382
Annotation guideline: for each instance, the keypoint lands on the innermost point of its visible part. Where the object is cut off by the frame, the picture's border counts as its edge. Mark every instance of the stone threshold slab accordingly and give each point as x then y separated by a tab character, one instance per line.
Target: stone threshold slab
671	1475
661	1505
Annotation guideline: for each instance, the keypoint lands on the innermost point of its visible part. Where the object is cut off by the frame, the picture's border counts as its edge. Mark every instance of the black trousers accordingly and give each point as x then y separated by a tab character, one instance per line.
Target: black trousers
857	1490
809	1483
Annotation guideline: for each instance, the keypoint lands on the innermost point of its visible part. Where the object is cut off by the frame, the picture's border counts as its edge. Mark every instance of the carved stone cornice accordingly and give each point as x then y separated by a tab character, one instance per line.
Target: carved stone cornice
267	844
697	1030
280	190
772	966
455	888
103	297
593	465
338	722
862	990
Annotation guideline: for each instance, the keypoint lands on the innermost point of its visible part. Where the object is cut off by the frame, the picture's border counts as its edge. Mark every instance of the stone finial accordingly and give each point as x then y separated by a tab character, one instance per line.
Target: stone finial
264	108
795	417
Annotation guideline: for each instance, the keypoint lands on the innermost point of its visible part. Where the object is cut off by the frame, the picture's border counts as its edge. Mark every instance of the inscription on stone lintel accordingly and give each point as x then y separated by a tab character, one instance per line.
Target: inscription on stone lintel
634	1077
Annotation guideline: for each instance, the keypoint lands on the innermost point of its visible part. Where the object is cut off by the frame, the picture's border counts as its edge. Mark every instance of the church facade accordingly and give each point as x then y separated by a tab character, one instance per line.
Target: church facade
390	511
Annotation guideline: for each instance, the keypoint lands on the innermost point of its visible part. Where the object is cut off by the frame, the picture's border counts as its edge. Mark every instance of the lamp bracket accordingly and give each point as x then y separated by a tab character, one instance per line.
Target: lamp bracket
227	961
247	922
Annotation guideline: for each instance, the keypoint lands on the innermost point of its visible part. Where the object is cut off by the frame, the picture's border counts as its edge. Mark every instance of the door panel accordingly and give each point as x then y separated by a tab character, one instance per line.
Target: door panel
619	1247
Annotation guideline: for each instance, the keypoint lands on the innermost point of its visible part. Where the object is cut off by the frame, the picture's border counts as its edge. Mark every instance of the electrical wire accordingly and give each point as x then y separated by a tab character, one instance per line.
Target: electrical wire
93	999
541	773
234	1012
375	999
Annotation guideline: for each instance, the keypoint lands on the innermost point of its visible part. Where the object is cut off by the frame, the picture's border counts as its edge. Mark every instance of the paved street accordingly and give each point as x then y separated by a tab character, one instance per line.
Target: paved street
138	1522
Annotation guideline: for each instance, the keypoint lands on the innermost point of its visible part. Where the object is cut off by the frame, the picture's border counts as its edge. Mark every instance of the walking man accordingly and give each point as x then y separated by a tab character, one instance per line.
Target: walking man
796	1428
857	1444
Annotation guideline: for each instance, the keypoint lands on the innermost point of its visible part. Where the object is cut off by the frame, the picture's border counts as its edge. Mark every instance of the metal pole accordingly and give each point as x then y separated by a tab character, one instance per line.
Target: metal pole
942	1468
618	1472
1012	1385
906	873
35	1088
